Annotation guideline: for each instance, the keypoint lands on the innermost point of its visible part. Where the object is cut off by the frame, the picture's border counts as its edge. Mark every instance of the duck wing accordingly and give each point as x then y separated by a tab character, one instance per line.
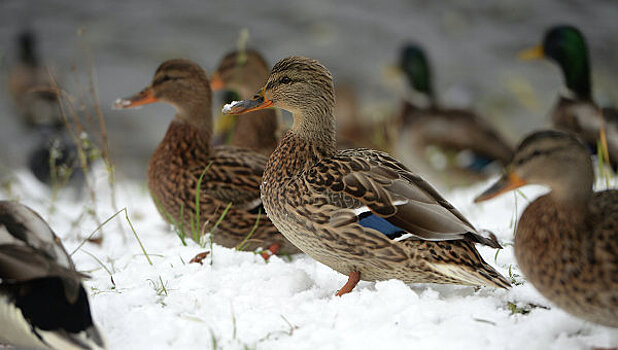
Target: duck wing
384	195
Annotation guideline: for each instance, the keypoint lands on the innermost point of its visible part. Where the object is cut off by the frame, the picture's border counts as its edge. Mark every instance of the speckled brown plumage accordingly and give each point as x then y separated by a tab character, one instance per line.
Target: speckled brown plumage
245	72
316	196
566	242
233	174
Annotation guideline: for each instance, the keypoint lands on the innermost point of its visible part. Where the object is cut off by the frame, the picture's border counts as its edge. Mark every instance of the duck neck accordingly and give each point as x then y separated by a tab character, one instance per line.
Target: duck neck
576	71
575	193
197	119
257	131
317	127
311	139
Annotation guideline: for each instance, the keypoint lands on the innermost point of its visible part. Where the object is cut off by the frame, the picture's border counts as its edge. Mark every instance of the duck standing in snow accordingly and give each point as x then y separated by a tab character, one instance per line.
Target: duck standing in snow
228	176
466	141
358	211
43	304
244	72
577	113
566	242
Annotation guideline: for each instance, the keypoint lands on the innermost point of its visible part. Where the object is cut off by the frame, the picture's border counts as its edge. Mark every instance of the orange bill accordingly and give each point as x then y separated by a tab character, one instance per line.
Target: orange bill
507	182
259	101
143	97
216	83
532	53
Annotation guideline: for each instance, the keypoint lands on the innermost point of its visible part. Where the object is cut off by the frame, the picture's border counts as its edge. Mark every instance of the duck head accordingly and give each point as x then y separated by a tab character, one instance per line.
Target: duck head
303	87
413	63
242	71
179	82
566	45
551	158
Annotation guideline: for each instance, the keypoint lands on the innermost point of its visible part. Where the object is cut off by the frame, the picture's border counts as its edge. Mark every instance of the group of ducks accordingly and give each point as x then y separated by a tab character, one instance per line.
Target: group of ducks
359	211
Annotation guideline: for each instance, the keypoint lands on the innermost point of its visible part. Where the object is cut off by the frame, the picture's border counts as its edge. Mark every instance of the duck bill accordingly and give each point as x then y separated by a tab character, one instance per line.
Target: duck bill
507	182
143	97
532	53
257	102
216	83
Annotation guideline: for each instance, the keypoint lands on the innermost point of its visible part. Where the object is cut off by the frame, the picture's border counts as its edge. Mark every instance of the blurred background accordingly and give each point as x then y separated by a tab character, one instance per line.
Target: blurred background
472	45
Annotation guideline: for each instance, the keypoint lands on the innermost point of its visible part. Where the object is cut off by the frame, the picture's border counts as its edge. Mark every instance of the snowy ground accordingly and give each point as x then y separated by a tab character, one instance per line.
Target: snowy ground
237	301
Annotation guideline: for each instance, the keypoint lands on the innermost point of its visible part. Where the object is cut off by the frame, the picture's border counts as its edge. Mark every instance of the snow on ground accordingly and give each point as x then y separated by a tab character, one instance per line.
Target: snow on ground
237	301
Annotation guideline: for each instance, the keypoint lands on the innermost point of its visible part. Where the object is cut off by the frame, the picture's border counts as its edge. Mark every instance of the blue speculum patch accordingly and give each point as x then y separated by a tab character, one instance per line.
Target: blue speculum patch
379	223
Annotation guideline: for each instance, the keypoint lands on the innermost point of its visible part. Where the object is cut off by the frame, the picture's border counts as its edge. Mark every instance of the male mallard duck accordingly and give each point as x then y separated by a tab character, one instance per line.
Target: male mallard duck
467	142
230	174
354	210
567	240
43	304
577	113
244	72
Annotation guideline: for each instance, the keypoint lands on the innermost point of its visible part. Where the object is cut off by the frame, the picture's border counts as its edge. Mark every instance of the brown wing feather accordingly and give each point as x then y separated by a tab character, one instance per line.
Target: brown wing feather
378	181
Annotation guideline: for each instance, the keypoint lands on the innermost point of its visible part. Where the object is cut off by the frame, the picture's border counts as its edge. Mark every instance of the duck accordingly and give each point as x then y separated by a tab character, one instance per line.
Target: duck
358	211
229	177
35	99
576	111
243	72
54	159
53	155
453	147
566	242
43	304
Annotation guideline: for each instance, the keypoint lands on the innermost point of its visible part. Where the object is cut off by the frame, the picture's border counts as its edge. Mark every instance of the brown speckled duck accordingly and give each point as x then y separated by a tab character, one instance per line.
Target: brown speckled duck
567	240
230	174
244	72
453	146
358	211
577	113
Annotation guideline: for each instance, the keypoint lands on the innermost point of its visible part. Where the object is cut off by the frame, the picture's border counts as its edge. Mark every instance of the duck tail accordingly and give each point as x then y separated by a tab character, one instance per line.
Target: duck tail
484	237
475	275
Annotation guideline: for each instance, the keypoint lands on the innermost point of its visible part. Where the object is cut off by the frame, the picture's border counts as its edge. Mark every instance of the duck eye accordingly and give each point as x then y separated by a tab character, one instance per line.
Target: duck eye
285	80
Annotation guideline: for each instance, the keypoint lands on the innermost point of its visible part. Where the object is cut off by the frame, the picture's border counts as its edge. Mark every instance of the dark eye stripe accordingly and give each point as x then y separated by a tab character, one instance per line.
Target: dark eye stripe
164	79
537	153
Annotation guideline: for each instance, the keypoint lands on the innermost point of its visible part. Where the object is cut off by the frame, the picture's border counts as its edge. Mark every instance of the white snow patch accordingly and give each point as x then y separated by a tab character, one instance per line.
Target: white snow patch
228	107
241	301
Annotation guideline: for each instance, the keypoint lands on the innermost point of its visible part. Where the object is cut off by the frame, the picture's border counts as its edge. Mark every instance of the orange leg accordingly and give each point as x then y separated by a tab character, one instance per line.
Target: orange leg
353	279
272	250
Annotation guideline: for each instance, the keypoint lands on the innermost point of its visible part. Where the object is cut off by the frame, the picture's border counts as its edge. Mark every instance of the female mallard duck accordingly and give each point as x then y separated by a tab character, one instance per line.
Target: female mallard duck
185	158
577	113
43	304
467	142
567	240
244	72
354	210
